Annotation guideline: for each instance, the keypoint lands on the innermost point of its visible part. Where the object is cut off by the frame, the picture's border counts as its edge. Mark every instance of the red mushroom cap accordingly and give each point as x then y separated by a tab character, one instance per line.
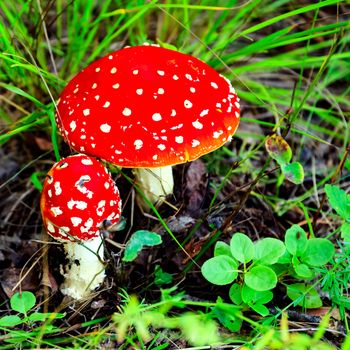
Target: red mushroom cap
78	195
146	106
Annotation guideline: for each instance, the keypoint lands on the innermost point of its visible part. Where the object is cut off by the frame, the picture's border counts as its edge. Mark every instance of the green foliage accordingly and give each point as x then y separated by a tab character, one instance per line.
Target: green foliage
220	270
280	151
254	268
242	248
161	277
340	202
138	241
198	329
23	303
304	295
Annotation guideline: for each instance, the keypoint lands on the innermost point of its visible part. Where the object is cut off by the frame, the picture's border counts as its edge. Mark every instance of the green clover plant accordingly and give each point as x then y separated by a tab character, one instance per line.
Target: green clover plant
254	269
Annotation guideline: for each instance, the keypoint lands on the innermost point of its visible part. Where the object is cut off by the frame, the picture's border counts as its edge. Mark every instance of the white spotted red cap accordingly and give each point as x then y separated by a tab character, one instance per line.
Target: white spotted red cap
147	106
77	196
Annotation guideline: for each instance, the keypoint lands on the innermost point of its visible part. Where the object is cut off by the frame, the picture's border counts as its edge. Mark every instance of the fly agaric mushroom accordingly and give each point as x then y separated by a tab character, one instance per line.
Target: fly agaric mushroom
148	107
78	196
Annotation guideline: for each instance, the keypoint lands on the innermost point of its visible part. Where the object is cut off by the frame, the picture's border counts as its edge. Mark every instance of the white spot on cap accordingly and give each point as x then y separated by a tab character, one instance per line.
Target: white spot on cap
179	139
106	128
58	189
229	128
97	97
175	77
135	71
86	112
100	207
107	185
160	72
216	134
138	144
195	143
87	226
173	113
72	125
192	89
126	112
179	126
76	90
107	104
187	104
56	211
75	221
204	112
160	91
198	125
161	147
236	114
214	85
115	86
86	161
49	192
155	157
110	57
156	117
189	76
94	86
97	69
113	70
218	105
50	227
139	91
83	137
237	104
78	204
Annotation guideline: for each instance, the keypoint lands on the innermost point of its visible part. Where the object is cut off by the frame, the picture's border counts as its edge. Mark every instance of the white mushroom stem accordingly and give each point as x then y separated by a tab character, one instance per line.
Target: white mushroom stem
155	183
85	271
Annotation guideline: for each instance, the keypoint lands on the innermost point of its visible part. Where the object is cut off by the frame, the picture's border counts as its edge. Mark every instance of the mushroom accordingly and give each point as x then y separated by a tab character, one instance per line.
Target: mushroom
148	108
78	197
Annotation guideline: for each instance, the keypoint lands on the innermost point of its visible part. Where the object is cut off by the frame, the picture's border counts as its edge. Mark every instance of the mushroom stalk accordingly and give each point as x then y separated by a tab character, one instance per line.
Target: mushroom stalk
155	183
85	270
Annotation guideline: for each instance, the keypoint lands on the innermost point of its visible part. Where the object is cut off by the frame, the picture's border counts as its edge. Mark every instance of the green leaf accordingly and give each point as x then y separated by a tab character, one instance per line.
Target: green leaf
278	149
286	258
222	248
22	302
295	240
319	251
227	315
294	172
162	277
302	270
268	251
304	295
41	317
139	240
339	200
252	296
345	231
235	293
242	247
261	278
260	309
220	270
10	321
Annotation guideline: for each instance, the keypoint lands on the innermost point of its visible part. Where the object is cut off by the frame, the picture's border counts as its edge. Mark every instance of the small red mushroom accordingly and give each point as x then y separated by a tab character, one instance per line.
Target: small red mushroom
148	107
78	196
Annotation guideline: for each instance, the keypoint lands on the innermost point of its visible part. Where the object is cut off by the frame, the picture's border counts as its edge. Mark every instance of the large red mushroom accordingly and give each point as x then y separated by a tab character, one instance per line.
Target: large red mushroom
148	108
79	196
